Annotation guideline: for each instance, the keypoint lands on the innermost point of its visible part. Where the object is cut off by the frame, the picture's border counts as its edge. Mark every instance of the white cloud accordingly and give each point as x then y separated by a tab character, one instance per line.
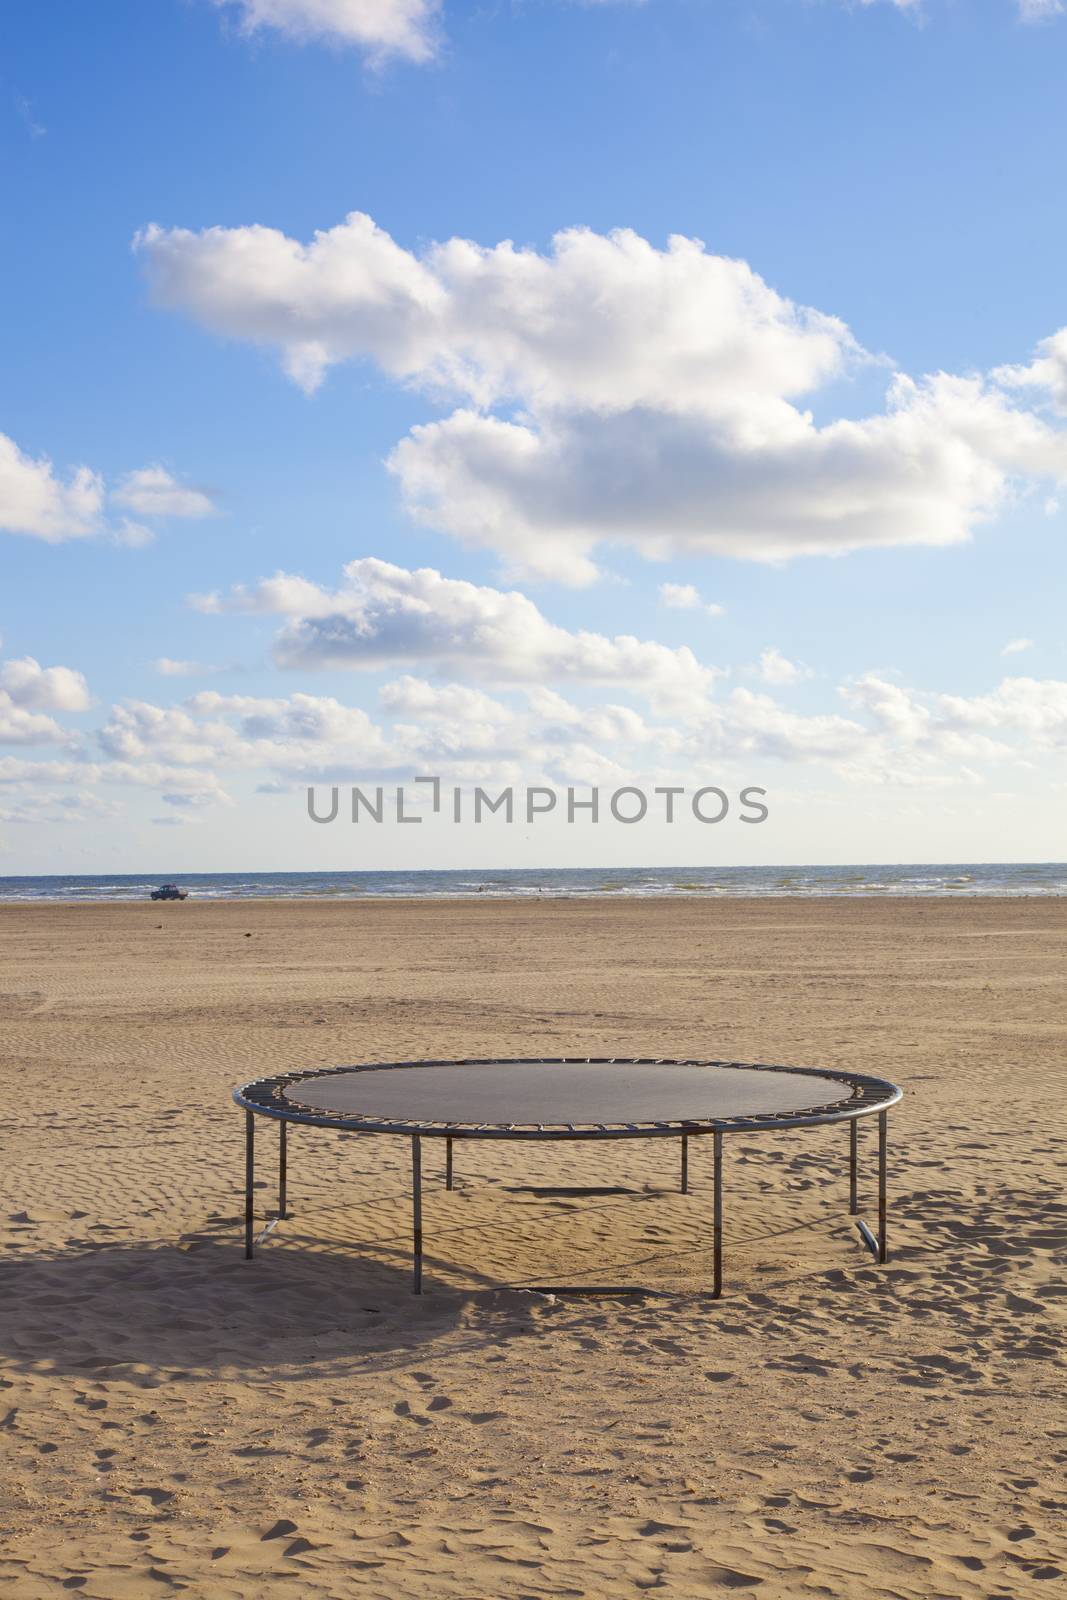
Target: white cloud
383	29
687	597
1034	708
945	455
1028	10
385	615
756	724
28	691
146	773
1040	10
34	501
614	392
50	807
959	727
37	502
408	29
528	733
151	744
153	492
16	769
562	721
414	697
134	535
169	668
894	710
1015	647
1046	373
775	668
18	726
27	683
605	321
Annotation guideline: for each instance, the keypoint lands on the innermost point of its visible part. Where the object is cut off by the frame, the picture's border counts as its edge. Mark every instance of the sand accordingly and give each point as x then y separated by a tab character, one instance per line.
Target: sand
174	1418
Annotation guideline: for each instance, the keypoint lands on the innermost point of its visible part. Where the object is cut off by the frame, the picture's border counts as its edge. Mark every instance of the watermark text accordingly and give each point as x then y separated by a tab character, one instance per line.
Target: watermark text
628	804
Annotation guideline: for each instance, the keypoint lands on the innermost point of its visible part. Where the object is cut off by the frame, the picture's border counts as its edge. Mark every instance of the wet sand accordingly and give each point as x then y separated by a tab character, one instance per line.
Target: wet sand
173	1418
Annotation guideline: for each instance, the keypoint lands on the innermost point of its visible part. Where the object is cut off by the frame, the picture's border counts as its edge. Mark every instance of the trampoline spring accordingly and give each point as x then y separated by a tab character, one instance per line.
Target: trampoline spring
868	1238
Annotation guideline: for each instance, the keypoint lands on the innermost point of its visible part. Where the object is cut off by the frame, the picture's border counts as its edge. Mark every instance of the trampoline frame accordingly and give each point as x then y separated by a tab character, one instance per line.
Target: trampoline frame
863	1096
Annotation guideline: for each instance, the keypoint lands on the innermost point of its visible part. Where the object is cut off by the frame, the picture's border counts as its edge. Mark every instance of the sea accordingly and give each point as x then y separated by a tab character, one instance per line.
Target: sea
952	880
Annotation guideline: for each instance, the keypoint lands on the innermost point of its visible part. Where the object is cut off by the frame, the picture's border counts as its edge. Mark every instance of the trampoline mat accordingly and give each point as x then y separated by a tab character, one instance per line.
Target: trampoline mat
503	1093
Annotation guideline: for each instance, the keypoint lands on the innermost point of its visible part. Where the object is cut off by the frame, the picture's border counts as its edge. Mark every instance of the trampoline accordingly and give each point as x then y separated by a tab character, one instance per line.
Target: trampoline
568	1098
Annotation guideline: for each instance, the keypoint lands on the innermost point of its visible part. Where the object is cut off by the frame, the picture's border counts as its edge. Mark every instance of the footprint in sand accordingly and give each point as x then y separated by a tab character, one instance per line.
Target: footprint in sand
279	1530
158	1497
298	1547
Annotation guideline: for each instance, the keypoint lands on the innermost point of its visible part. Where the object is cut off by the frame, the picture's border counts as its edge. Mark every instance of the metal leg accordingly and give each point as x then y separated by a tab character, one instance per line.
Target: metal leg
883	1120
717	1270
853	1173
250	1169
416	1213
282	1126
684	1184
448	1163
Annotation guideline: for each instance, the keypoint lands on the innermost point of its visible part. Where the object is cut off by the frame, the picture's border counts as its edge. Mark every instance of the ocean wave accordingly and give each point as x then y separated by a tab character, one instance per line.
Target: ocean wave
937	880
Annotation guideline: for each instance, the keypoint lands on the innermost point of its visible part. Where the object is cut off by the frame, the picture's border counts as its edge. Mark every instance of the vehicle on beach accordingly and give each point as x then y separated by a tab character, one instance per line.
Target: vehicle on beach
169	891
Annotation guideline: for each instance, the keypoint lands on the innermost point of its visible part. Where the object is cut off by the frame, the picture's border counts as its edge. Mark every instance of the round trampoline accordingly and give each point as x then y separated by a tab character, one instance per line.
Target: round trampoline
571	1099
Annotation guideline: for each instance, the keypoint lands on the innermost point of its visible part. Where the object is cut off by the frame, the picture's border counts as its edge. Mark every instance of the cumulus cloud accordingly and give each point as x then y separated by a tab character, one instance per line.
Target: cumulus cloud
897	736
27	683
414	697
528	733
16	769
1035	708
755	724
35	501
384	615
946	454
18	726
28	692
382	29
776	668
153	492
943	728
1015	647
211	731
687	597
607	321
1047	373
614	392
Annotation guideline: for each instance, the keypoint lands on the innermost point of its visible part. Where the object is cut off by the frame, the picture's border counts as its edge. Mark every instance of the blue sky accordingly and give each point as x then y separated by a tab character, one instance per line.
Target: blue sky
636	419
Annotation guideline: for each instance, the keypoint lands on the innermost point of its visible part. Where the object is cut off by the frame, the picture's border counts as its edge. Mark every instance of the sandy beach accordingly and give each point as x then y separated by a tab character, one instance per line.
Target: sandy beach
174	1418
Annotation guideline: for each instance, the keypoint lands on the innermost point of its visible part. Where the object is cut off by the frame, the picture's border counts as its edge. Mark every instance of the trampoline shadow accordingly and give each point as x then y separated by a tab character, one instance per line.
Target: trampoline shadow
195	1308
569	1191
